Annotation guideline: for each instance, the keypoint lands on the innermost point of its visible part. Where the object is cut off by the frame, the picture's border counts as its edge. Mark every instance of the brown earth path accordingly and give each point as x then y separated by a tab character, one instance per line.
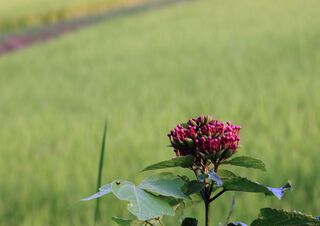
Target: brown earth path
17	41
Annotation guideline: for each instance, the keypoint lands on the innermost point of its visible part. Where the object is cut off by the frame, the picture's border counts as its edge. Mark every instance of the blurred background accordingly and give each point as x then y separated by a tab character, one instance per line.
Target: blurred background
256	63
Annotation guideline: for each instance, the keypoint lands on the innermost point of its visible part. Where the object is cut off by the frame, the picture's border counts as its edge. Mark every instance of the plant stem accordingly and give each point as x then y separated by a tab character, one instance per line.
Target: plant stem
217	195
160	222
207	209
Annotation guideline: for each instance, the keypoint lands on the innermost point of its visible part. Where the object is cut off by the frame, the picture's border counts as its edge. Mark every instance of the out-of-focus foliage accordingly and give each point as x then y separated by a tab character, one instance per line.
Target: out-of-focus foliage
19	14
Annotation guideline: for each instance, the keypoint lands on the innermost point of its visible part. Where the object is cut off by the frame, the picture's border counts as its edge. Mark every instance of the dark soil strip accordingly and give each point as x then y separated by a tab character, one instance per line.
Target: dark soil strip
18	41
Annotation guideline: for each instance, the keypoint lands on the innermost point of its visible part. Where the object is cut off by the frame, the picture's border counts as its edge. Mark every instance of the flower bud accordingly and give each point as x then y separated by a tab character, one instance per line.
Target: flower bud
227	154
204	136
192	122
189	142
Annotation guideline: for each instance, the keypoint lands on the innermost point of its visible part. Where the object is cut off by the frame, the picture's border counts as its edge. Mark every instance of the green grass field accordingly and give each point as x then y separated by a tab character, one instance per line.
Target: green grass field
256	63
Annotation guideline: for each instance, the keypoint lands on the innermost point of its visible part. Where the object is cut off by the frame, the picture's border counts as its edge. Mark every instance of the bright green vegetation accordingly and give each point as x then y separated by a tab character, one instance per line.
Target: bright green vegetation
18	15
256	63
17	8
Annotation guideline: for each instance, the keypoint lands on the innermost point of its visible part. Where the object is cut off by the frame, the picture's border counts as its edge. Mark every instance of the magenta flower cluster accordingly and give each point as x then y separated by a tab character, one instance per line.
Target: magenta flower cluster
206	136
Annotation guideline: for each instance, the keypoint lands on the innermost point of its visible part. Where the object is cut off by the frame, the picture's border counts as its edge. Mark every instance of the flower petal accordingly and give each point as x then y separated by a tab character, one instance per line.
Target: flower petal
237	224
279	192
214	177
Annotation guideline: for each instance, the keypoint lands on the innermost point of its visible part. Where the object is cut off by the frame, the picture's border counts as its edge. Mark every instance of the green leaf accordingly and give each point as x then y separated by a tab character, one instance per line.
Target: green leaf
245	185
142	204
166	184
172	201
269	216
122	221
193	187
97	215
104	190
226	173
246	161
183	161
189	222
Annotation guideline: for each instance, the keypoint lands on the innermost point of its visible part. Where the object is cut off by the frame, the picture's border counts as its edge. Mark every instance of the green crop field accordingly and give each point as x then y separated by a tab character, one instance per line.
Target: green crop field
256	63
16	8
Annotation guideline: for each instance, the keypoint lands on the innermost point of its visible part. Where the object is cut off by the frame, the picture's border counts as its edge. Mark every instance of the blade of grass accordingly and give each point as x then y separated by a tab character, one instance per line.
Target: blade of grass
233	203
101	160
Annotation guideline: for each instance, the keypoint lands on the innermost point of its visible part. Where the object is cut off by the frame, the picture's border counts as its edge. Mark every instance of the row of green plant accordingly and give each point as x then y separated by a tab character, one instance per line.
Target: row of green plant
62	14
205	146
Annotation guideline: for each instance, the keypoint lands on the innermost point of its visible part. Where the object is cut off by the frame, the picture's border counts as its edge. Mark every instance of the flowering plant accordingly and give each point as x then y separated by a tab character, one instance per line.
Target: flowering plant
203	145
208	140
